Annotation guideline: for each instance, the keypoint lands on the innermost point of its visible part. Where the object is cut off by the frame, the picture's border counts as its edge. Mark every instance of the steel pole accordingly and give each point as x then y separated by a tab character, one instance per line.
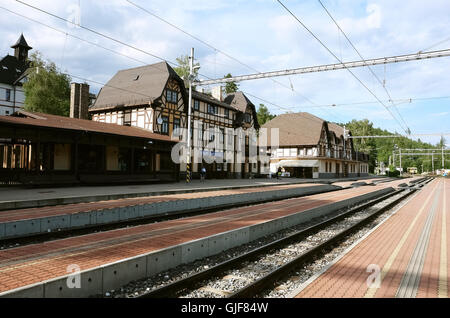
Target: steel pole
191	75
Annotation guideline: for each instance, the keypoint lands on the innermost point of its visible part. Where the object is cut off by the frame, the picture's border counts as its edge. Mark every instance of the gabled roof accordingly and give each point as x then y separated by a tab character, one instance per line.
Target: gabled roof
240	102
135	86
11	69
61	122
300	129
21	42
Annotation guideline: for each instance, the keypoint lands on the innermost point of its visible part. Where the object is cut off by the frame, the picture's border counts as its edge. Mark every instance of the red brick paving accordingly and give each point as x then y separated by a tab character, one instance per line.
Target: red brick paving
40	212
29	213
348	276
34	263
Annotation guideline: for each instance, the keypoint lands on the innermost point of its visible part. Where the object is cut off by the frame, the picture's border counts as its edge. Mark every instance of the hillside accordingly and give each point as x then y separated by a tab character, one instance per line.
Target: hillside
381	148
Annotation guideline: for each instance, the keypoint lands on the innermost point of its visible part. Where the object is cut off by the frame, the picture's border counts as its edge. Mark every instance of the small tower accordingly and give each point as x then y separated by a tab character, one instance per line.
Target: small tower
21	49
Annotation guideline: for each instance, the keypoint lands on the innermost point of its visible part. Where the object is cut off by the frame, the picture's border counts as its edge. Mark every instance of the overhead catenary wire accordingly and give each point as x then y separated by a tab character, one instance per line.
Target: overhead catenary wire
337	58
98	33
368	66
398	101
217	50
113	51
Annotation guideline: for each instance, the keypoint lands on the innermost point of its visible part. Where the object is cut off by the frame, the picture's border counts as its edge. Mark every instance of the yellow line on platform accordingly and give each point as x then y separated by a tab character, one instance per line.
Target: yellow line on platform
443	279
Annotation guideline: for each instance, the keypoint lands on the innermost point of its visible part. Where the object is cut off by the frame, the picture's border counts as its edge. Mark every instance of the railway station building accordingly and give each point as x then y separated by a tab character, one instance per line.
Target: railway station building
13	72
155	98
42	149
310	147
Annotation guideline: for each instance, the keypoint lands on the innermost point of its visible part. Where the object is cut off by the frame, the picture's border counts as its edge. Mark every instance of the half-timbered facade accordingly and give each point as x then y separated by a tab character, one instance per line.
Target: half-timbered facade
154	98
310	147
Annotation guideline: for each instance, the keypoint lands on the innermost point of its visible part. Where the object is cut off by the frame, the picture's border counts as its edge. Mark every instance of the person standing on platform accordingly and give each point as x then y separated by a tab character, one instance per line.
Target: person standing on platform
202	174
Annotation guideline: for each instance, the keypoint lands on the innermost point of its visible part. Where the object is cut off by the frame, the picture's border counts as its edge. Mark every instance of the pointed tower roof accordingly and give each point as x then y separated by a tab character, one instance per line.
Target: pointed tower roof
21	43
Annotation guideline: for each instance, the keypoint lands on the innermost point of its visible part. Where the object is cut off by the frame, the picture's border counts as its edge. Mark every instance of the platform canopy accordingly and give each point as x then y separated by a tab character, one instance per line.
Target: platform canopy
298	163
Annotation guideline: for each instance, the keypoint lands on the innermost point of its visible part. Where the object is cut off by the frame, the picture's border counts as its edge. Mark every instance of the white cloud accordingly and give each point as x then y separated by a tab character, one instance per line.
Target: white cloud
263	35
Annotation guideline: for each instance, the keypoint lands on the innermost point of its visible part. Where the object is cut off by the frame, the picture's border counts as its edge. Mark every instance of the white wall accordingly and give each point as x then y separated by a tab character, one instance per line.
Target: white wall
16	101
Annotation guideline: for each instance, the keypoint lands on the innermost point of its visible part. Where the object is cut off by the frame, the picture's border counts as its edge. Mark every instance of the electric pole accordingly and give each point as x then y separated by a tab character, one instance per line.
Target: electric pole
432	162
191	80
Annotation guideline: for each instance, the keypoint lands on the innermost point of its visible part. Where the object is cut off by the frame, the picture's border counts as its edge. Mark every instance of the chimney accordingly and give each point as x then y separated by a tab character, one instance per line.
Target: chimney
79	100
217	92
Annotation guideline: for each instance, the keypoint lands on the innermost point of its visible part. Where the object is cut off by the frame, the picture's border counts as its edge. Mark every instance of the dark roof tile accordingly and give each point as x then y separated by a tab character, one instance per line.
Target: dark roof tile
61	122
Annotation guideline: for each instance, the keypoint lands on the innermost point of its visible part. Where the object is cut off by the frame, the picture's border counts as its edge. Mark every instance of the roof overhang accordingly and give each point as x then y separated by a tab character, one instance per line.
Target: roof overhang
298	163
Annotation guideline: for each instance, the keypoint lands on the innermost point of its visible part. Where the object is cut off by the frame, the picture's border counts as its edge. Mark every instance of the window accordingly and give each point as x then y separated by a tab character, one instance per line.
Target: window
127	118
226	113
211	134
230	137
221	136
248	118
196	104
165	125
293	152
8	94
212	109
176	124
171	96
280	152
200	132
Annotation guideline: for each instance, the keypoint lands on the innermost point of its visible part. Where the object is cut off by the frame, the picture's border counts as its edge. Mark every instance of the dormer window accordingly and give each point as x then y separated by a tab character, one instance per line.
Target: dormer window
247	118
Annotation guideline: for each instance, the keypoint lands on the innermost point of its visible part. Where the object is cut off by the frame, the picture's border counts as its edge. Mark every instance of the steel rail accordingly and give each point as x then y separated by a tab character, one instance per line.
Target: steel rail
87	229
270	279
176	288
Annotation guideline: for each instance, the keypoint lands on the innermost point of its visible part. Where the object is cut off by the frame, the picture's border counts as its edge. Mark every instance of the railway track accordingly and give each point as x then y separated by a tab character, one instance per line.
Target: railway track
88	229
253	272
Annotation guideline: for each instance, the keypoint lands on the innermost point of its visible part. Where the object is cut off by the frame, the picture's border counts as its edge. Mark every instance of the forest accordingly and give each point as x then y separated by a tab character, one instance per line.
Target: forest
380	149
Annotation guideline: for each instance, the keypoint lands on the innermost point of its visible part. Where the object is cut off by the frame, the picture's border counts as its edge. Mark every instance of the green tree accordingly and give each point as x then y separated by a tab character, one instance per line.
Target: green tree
441	143
47	90
230	87
183	69
264	115
380	149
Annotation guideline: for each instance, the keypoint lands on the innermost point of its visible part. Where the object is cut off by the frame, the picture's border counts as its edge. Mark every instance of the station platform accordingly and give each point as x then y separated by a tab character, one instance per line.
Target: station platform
108	260
18	198
406	256
32	221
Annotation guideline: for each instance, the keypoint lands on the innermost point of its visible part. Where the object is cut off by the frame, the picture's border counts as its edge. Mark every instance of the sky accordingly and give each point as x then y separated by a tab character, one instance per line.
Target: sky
262	35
